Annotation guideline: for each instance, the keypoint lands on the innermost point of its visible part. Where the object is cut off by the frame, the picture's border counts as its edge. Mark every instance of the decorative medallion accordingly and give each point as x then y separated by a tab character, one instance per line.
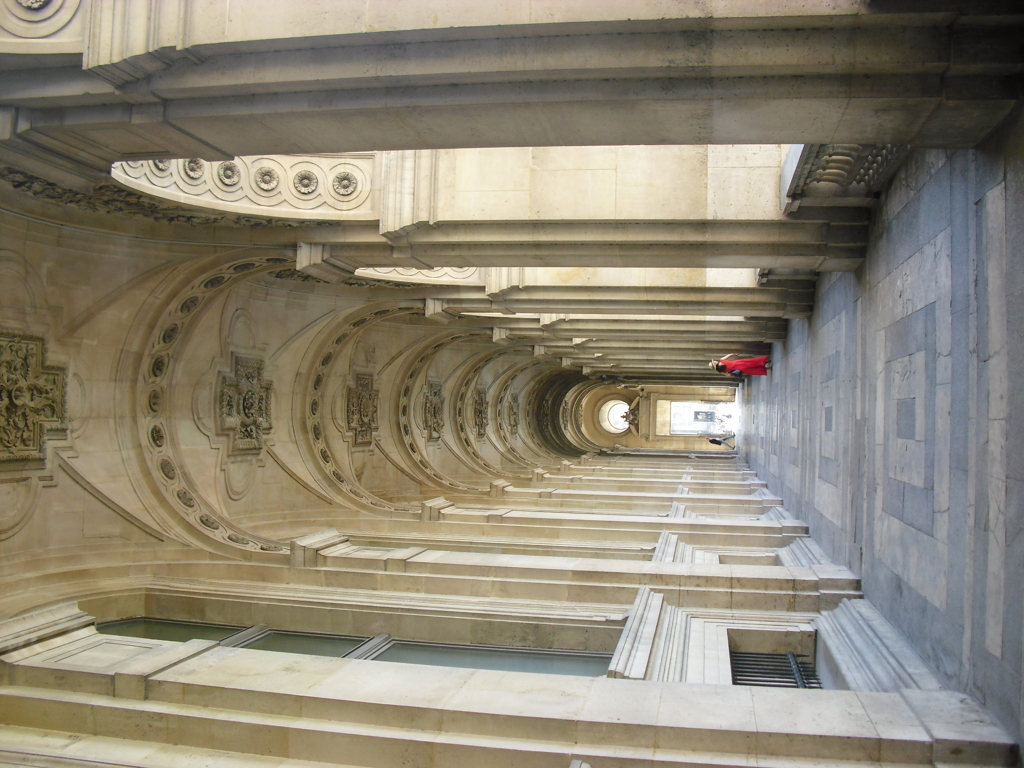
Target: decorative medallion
229	174
158	366
33	5
480	413
267	178
361	409
305	182
33	397
167	468
194	167
162	165
346	184
209	522
433	410
156	436
244	405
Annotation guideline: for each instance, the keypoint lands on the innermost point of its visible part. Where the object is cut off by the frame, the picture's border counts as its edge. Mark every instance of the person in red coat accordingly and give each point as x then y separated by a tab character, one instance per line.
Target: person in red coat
748	366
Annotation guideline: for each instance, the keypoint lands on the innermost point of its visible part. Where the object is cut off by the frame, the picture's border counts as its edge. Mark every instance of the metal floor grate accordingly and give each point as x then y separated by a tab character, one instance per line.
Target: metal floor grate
774	670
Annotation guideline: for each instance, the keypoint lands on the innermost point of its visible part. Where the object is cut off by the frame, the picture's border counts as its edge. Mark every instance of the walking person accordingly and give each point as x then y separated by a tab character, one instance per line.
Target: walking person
744	366
724	440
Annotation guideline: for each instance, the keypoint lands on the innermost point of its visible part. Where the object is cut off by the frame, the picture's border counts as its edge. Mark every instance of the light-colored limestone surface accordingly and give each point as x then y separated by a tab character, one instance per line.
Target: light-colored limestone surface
890	418
330	350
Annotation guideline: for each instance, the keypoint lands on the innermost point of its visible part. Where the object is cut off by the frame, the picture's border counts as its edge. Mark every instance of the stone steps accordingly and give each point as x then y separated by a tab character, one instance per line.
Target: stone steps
365	713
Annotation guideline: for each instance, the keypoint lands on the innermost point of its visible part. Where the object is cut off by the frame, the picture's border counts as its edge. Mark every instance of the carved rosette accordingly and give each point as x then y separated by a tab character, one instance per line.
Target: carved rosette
346	183
243	405
33	397
361	409
229	174
305	182
266	178
194	167
480	413
433	410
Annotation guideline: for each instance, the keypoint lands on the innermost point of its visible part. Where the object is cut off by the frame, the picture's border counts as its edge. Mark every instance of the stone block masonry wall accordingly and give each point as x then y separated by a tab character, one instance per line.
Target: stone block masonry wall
892	420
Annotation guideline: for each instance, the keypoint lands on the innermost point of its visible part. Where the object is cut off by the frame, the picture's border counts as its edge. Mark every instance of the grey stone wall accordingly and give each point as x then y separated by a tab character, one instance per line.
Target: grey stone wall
892	422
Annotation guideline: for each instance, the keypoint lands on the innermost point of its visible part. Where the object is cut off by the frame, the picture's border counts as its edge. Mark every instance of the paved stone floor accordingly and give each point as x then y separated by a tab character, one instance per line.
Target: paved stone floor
889	420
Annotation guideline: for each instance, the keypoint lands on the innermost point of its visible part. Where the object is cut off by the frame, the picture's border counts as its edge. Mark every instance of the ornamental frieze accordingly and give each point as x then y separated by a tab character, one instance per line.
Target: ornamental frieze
361	409
243	405
144	203
33	397
284	187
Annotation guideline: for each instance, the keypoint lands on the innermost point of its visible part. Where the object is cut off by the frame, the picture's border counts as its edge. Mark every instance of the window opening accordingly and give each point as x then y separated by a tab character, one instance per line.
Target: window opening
309	643
612	416
773	670
380	647
163	629
501	658
693	417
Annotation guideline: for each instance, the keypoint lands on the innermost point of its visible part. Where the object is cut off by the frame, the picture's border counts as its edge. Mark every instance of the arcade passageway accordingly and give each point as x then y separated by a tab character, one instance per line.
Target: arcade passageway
355	402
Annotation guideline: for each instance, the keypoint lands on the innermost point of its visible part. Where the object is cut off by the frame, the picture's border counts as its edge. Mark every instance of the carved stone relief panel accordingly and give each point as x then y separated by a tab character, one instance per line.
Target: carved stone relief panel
511	414
433	410
243	405
33	397
480	413
361	409
285	187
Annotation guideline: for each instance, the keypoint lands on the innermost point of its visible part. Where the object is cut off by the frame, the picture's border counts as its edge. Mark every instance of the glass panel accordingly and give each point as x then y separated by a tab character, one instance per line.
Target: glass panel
617	417
504	659
691	417
160	629
315	645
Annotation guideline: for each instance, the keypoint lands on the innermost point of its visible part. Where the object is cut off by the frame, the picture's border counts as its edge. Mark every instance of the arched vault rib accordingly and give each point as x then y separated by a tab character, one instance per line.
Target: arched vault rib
464	387
507	405
403	398
331	466
143	418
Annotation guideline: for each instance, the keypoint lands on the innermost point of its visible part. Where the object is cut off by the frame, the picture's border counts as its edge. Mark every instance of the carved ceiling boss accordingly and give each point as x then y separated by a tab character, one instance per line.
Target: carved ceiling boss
361	409
512	413
244	405
32	396
480	413
433	410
